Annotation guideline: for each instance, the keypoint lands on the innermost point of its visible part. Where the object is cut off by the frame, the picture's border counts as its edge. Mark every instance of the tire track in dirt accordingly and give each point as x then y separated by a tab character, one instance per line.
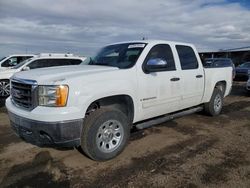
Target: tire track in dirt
42	172
160	162
215	173
7	136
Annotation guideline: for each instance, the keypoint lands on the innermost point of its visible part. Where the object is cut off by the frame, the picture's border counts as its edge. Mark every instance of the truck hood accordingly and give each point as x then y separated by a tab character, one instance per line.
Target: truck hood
56	74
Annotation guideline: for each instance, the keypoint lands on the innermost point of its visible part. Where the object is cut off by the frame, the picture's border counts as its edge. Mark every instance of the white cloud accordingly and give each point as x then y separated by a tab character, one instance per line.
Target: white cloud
82	26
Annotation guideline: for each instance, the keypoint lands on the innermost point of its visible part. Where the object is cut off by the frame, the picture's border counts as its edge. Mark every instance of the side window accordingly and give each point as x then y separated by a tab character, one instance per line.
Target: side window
74	61
162	51
43	63
15	60
54	62
20	59
187	57
38	64
63	62
25	57
10	62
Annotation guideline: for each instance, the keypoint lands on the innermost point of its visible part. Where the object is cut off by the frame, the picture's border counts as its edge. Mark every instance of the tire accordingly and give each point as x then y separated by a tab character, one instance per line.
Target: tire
4	88
214	106
105	134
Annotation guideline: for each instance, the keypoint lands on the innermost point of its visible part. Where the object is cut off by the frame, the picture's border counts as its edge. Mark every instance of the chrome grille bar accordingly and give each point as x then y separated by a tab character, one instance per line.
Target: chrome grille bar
24	93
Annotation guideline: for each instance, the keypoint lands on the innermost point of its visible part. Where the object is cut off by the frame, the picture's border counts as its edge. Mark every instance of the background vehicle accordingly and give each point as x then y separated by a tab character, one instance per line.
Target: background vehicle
219	62
243	71
13	60
94	106
38	61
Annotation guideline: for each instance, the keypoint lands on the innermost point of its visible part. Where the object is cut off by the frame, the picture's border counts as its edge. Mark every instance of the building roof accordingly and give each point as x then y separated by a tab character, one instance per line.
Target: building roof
247	48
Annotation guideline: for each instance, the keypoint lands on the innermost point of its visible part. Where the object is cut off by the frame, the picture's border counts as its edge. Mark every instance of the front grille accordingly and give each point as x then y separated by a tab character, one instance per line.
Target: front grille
23	93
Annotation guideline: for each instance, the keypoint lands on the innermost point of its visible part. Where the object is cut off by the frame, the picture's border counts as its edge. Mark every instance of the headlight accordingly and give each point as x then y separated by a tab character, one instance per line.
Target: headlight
55	96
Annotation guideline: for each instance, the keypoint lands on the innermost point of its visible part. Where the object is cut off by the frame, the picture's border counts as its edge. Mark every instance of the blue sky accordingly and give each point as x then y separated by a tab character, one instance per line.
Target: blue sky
83	26
244	3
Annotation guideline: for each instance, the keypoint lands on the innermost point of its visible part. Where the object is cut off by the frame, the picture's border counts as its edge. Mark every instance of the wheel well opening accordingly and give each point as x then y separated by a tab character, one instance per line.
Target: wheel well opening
222	86
123	103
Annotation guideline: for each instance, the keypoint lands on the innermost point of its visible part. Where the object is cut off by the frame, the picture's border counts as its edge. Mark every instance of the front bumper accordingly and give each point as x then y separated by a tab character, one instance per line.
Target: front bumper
52	134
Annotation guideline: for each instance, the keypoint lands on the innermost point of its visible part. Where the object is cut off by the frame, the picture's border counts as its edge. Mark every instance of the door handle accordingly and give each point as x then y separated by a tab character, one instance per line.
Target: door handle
174	79
199	76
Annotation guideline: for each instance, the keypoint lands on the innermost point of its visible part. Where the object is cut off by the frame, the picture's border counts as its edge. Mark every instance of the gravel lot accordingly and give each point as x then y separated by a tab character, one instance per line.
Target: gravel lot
192	151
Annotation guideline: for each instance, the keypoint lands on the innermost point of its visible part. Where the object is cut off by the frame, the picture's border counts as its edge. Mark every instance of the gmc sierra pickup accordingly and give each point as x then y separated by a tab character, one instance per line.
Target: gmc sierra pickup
94	106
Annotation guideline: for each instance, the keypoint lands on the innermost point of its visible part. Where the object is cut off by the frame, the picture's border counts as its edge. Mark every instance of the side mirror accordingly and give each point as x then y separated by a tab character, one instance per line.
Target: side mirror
155	65
25	69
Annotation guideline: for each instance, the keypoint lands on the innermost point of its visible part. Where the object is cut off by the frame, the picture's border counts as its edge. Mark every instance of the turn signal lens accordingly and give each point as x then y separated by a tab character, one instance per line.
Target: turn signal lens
61	96
53	96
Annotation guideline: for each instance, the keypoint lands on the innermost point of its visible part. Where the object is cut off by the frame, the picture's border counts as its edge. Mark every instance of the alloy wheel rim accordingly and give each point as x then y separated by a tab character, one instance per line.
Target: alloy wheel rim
109	136
217	103
4	88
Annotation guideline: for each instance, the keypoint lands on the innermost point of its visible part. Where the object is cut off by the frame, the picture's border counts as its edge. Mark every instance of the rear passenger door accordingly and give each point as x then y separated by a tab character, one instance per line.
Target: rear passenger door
192	76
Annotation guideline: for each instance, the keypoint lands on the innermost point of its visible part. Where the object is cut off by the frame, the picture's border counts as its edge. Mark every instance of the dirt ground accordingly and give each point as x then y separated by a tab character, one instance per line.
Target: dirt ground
192	151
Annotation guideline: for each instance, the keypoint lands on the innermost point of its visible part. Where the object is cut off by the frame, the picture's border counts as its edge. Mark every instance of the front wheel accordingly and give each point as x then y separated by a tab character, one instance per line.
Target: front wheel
214	106
105	134
4	88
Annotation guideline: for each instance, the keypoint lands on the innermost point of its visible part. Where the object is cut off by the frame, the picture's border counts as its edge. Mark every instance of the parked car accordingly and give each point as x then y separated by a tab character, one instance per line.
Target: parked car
243	71
219	62
38	61
13	60
127	84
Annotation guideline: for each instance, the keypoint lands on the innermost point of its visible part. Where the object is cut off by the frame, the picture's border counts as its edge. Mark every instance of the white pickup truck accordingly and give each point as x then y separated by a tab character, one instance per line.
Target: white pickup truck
94	106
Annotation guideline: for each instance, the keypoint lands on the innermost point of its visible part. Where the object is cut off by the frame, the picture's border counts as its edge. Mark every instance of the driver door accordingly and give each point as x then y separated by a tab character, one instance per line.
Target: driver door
160	91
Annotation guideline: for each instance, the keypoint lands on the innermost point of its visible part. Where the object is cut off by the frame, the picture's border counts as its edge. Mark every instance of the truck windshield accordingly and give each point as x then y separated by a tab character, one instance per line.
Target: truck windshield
122	56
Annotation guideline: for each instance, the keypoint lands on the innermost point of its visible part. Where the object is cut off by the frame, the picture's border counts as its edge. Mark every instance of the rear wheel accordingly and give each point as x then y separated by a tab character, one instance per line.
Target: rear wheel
214	106
105	134
4	88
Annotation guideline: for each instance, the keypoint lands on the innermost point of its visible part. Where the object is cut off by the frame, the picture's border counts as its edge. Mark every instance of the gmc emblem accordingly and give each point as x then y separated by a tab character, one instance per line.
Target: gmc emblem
16	93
